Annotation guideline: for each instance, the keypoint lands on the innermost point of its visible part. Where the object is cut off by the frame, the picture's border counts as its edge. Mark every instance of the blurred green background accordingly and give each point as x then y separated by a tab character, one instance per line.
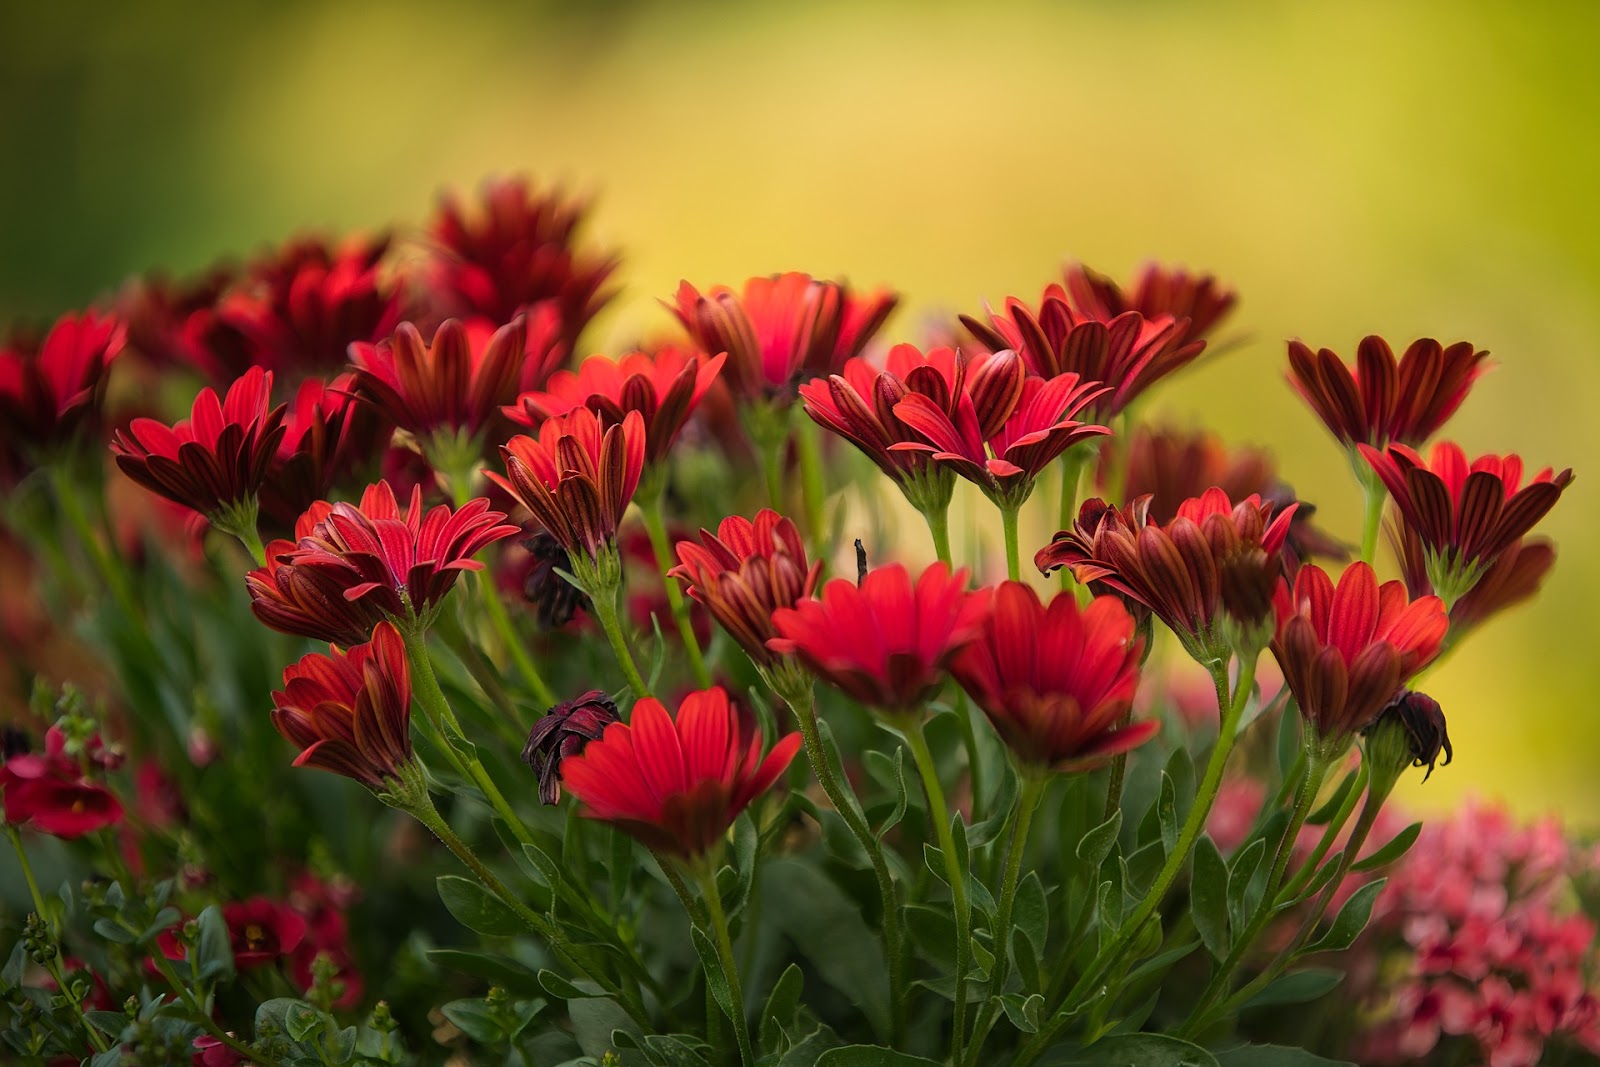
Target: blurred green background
1405	169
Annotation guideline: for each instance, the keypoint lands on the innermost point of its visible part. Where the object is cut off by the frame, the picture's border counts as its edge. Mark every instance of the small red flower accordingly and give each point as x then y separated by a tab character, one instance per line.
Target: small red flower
575	478
677	784
1464	514
49	792
1127	355
354	567
1006	427
350	712
211	1052
51	389
886	643
664	387
1346	650
261	931
745	572
1385	402
1057	683
327	435
214	461
455	384
1158	291
562	734
1176	570
514	251
781	326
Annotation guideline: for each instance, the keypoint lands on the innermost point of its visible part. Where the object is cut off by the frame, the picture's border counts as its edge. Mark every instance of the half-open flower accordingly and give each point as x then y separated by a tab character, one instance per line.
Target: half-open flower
561	734
576	478
215	460
1158	291
356	566
664	387
51	389
1464	514
1057	682
350	712
451	386
1177	569
780	326
677	783
1005	429
745	572
1386	402
1346	650
1515	576
885	642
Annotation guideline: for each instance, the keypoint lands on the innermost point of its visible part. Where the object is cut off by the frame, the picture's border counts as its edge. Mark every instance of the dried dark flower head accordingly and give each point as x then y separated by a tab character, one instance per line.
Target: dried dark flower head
563	732
1421	723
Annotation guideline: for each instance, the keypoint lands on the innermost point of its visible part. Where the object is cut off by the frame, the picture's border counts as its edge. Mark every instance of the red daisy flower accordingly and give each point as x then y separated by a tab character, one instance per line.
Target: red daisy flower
327	435
1464	514
575	478
51	389
563	733
1515	576
355	567
1127	355
664	387
515	250
214	461
1346	650
1158	291
745	572
1007	427
781	326
174	323
1176	570
49	792
1385	402
350	712
261	931
451	386
677	783
886	642
1056	682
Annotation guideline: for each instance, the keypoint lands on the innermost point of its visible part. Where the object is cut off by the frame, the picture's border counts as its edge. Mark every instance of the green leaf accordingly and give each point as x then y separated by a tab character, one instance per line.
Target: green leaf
1167	812
1095	845
1140	869
548	869
110	1023
213	948
1243	873
1300	987
898	812
112	931
474	1019
711	964
1324	814
804	1052
782	1004
745	839
275	1012
1000	805
593	1022
1289	747
16	965
830	752
870	1056
111	1057
476	908
826	928
1398	846
301	1020
1137	1050
1208	896
561	989
1275	1056
1352	919
1023	1011
1030	912
500	970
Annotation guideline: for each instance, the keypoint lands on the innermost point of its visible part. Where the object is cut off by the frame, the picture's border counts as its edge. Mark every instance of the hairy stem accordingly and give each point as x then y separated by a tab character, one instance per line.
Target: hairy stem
730	969
939	815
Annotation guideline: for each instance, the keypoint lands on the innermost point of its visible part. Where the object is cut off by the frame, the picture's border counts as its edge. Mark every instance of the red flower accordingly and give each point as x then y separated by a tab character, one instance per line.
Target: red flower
562	734
1176	570
355	567
1056	683
745	572
350	712
677	784
1385	402
1346	650
211	1052
50	793
514	250
1006	428
49	390
327	435
663	387
172	323
576	479
214	461
1158	291
781	326
456	384
1127	355
1465	515
886	643
260	930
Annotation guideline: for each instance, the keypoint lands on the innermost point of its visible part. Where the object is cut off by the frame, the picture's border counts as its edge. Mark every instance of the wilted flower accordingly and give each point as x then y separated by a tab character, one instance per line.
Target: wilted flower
781	326
884	642
745	572
1158	291
1410	731
454	385
52	388
1056	682
562	734
555	600
350	712
677	784
1386	402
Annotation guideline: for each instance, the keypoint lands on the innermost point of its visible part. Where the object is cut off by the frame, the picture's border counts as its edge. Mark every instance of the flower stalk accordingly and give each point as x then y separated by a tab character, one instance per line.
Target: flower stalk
655	524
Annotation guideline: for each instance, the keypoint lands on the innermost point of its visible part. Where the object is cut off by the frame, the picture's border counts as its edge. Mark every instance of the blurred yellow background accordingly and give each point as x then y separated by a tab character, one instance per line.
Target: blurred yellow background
1405	169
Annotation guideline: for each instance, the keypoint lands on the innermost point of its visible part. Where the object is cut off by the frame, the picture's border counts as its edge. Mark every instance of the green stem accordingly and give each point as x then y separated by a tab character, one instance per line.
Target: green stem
605	609
1330	833
808	441
938	520
655	523
1076	460
251	539
66	493
1375	495
1008	517
939	814
27	872
730	969
203	1017
500	618
772	465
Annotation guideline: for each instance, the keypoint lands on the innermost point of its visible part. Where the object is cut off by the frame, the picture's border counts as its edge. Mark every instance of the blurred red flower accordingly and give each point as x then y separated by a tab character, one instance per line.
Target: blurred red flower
50	792
260	930
50	389
455	384
1197	299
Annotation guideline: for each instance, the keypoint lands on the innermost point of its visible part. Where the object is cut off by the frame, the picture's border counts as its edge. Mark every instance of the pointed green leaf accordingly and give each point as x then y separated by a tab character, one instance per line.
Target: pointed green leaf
1030	912
870	1056
1300	987
782	1004
476	908
711	964
1398	846
1095	845
1167	812
1351	920
1275	1056
1208	896
213	949
1245	865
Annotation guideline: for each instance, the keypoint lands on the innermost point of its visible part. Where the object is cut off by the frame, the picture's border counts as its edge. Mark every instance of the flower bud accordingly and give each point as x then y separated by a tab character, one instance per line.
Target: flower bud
1410	732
